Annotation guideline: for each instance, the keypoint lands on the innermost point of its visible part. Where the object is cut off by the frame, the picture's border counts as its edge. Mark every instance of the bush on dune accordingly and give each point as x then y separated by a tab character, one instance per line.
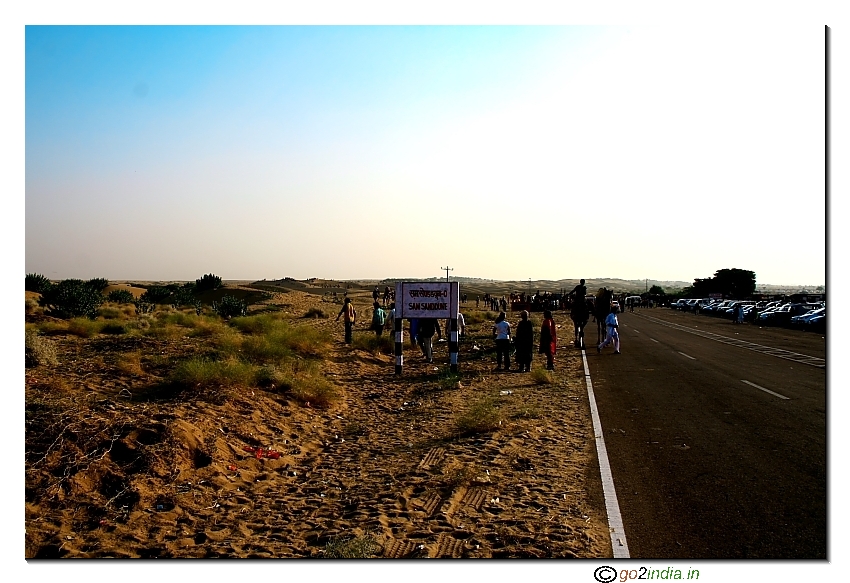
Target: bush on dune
71	298
35	282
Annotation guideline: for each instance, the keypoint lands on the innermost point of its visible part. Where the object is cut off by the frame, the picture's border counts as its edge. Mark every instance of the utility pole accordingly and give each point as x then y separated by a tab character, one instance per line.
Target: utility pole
646	285
447	269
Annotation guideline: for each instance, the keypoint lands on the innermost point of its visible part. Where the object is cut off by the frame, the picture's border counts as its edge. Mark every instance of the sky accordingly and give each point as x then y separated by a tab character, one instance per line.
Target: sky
504	152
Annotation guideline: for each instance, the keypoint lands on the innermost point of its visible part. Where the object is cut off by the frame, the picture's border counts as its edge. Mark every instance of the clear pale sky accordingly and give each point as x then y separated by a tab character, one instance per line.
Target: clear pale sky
506	152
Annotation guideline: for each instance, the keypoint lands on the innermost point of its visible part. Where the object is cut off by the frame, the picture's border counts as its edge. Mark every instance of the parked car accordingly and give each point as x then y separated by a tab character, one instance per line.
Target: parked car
817	323
782	315
711	306
803	319
715	309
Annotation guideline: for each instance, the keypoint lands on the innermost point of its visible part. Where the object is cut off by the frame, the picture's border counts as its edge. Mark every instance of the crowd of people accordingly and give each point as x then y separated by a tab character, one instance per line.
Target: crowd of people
518	341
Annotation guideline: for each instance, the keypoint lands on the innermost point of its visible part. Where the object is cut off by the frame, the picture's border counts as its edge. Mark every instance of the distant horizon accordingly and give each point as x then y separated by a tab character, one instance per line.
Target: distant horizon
650	281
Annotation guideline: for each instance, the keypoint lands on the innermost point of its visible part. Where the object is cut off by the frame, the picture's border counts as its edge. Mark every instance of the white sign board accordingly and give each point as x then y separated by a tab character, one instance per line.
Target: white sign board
427	299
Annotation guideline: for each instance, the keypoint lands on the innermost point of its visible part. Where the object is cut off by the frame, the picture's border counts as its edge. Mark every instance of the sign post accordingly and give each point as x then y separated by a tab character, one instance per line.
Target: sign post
427	300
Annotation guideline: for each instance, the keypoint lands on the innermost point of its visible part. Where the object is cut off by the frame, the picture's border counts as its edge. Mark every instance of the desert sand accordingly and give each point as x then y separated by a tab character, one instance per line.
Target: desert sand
114	469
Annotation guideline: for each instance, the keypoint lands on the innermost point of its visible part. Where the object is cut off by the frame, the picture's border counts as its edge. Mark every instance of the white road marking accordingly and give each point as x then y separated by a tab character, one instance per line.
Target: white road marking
636	330
766	390
683	354
612	507
654	340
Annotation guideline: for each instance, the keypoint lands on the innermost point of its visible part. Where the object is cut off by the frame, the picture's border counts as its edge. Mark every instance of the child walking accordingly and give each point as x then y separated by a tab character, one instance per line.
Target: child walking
611	324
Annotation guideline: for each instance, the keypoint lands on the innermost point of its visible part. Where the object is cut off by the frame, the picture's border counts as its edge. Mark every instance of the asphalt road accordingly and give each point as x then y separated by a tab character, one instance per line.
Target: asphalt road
706	465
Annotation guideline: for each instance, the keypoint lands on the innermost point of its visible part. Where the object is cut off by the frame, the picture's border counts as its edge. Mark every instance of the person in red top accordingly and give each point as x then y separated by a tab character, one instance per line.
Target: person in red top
548	340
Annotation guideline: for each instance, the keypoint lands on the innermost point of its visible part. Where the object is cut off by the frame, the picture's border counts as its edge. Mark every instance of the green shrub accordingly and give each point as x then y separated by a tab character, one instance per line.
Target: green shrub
98	284
183	297
203	372
71	298
208	282
143	307
157	294
481	417
259	324
39	351
35	282
230	307
120	296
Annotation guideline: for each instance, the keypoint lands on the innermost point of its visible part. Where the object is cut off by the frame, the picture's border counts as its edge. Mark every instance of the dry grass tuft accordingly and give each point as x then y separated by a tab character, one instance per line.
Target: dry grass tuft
359	547
131	364
483	416
384	344
85	328
541	376
39	351
314	390
204	373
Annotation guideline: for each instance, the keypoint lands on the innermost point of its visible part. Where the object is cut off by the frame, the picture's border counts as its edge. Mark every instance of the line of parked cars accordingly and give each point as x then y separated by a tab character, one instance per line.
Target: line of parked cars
805	316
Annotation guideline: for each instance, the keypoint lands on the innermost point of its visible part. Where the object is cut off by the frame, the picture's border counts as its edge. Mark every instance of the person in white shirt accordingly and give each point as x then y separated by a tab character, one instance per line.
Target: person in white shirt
502	332
612	324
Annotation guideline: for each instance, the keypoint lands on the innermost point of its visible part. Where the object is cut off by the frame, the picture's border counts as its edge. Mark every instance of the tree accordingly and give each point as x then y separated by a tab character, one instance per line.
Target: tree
740	283
735	283
208	282
656	290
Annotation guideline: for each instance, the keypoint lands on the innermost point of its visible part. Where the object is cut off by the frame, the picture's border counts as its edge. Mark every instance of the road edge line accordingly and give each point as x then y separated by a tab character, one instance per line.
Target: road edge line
619	546
766	390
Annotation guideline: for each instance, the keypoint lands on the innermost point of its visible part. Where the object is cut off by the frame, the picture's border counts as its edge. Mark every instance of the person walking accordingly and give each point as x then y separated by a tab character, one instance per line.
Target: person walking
524	341
390	323
612	324
548	339
350	318
427	328
502	332
378	318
